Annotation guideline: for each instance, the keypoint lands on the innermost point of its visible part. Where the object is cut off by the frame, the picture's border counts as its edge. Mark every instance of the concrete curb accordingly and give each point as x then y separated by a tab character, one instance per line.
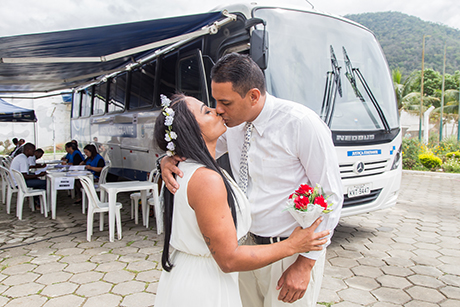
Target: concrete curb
441	174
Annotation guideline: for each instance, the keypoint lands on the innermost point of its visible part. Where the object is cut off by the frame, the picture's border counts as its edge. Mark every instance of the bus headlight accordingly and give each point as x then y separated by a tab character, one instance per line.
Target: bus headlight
397	159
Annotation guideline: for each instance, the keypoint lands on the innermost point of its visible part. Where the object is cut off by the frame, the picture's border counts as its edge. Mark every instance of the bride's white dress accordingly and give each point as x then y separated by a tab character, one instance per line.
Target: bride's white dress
196	280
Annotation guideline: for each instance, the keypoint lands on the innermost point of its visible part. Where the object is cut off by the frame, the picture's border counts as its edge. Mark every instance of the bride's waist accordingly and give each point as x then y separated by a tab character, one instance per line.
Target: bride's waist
180	253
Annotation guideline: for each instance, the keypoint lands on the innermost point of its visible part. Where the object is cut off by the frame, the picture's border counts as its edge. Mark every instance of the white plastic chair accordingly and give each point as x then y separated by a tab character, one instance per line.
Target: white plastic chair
7	161
4	183
7	179
24	191
135	197
96	206
102	179
157	202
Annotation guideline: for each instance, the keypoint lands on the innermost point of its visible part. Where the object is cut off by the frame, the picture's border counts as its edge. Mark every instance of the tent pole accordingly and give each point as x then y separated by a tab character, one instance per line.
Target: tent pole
35	135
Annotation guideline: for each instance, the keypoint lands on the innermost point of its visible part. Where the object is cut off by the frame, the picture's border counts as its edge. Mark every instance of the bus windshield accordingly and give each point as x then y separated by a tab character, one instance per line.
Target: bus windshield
299	63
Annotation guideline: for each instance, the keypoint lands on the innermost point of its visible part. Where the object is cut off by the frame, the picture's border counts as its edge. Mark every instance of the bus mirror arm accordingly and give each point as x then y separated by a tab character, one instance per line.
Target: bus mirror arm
258	43
254	21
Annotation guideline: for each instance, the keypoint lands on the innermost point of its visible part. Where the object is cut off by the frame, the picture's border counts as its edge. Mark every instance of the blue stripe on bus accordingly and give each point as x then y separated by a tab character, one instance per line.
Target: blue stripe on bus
367	152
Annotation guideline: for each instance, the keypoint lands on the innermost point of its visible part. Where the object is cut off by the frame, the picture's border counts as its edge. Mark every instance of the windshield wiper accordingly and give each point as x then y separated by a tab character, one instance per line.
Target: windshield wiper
350	74
333	85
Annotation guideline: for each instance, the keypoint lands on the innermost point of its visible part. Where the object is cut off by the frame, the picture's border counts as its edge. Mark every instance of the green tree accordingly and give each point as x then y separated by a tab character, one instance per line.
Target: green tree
411	102
401	88
432	80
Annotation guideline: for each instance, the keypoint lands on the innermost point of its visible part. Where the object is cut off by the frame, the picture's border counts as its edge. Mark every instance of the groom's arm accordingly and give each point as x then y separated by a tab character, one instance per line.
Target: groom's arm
317	155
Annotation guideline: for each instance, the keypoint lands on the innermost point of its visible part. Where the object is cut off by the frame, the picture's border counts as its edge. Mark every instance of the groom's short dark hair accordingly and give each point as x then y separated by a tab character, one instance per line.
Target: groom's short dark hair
241	71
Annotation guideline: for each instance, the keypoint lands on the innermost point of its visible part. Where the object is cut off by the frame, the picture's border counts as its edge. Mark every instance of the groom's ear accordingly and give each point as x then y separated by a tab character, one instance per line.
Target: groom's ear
254	95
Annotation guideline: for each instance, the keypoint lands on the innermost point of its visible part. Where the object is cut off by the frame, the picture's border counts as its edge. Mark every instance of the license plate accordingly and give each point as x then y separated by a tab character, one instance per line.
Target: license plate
359	190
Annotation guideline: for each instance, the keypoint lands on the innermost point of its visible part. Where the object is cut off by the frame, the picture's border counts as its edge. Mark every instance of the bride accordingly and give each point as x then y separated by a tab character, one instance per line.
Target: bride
208	214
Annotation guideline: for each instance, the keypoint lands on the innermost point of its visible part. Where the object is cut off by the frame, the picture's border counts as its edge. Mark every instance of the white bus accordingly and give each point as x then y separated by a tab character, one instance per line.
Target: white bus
333	65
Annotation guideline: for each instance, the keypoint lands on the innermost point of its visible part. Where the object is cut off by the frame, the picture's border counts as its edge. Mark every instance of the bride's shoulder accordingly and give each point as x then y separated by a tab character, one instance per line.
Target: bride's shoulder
205	186
206	176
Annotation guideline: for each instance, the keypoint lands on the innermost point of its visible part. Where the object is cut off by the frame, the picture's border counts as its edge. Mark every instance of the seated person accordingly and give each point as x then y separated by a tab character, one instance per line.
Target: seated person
67	156
21	164
15	143
36	156
74	156
94	161
19	149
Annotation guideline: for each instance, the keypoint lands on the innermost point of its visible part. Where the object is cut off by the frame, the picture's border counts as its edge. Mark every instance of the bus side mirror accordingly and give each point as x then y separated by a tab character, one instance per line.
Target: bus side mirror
259	48
258	42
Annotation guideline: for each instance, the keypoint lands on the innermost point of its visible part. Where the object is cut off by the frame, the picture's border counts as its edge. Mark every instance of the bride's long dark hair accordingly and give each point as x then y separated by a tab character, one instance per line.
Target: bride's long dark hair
190	145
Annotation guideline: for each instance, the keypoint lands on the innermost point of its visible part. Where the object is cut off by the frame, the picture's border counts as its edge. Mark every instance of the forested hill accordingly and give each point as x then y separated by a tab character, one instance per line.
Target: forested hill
401	36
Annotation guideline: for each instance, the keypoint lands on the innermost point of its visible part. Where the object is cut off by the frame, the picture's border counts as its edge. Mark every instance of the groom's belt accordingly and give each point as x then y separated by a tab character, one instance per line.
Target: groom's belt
266	240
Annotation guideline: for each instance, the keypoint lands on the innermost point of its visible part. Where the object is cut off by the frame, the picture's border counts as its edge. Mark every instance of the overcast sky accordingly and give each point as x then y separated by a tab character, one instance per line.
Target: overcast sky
33	16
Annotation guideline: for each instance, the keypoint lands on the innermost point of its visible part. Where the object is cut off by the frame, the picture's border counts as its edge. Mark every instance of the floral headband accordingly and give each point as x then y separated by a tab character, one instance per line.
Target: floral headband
170	135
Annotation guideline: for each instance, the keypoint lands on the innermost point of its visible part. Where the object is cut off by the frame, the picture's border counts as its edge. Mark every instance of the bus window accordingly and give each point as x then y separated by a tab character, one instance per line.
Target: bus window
100	98
117	93
142	82
189	77
76	104
86	96
168	75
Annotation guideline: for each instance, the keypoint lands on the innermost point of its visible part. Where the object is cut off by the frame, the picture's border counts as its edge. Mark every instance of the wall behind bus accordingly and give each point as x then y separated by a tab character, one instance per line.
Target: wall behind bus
44	127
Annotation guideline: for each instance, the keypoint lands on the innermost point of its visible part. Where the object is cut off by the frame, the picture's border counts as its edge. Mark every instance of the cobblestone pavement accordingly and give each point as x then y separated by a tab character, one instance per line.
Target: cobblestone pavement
408	255
47	262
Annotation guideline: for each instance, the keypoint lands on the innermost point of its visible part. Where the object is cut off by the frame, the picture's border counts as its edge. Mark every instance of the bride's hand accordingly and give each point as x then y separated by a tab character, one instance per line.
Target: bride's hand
305	240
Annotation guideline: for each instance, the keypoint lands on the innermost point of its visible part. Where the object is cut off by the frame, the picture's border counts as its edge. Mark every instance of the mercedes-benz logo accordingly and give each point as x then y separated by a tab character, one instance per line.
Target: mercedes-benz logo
358	167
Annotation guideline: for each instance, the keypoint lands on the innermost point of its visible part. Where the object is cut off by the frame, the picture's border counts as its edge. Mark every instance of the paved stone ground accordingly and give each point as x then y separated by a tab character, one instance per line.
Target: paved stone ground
45	262
408	255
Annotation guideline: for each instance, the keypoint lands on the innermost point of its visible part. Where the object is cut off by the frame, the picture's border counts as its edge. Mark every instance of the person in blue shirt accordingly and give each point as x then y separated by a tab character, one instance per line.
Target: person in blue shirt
94	161
74	156
66	158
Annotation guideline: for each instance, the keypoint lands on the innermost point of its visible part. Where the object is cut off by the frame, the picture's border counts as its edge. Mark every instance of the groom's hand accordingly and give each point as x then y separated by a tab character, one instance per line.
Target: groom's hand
294	281
168	168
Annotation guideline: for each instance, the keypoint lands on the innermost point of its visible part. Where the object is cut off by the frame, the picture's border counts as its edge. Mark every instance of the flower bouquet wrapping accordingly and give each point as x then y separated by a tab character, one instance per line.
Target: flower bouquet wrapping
306	204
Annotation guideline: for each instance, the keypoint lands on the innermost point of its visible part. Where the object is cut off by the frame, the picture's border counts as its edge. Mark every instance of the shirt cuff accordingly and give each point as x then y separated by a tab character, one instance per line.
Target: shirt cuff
313	255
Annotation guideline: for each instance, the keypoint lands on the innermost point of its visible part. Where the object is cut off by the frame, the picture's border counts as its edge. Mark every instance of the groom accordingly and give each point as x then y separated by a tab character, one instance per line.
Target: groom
286	145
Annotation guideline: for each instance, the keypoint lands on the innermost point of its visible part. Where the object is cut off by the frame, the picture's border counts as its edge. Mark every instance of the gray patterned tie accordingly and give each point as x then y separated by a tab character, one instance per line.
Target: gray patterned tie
243	183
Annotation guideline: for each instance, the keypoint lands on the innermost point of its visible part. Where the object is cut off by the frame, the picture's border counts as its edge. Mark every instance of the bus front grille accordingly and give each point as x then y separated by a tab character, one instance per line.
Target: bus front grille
371	168
361	200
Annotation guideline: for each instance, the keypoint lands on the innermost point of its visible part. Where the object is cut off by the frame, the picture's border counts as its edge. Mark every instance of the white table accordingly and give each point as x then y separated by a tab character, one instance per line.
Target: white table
52	162
113	188
51	187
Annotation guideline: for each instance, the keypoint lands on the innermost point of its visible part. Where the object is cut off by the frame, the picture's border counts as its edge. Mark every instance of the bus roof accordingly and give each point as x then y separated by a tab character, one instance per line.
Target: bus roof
55	61
247	7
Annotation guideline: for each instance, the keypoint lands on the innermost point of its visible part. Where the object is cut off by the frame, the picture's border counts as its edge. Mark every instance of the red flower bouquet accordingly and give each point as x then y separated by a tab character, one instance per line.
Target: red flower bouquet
306	204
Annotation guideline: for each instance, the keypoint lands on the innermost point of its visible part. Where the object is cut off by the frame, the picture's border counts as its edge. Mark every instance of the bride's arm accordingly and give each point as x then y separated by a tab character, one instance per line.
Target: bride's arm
208	197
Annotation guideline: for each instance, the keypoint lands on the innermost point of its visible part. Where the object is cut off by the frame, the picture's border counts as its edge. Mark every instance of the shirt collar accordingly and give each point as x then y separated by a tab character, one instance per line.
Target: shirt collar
261	121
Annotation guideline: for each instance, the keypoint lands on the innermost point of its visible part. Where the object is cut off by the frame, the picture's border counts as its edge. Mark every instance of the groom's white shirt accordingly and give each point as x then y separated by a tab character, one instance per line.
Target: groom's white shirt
290	145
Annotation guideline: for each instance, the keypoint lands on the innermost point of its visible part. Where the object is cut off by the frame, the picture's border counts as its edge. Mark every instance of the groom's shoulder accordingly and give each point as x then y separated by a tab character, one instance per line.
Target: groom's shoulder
291	111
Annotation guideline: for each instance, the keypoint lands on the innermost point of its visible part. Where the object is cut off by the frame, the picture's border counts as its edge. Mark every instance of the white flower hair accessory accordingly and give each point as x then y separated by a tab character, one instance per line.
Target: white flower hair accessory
170	135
